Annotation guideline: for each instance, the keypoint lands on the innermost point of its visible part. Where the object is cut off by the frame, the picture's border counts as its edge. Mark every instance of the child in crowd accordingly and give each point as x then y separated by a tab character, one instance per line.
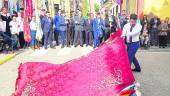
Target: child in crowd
33	28
145	36
14	27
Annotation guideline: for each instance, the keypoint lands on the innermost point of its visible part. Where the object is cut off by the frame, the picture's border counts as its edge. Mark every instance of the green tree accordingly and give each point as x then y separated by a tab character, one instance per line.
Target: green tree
96	7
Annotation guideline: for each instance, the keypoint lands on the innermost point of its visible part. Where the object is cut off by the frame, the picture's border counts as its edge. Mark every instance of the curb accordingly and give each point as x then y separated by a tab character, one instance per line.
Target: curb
7	58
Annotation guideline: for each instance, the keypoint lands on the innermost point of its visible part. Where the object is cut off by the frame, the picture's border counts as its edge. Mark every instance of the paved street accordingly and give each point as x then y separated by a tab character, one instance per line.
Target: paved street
154	78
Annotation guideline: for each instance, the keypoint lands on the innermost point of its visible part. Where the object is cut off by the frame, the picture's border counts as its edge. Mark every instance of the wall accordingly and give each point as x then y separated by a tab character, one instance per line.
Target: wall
160	8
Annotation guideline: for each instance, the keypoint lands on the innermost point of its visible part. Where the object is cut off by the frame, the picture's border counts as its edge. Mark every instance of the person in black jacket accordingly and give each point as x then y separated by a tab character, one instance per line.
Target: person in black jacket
107	27
6	19
114	24
144	20
154	23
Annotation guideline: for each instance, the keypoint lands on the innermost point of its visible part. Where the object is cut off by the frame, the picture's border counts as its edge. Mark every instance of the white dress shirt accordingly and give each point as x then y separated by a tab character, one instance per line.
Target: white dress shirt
14	27
2	26
33	26
20	23
134	34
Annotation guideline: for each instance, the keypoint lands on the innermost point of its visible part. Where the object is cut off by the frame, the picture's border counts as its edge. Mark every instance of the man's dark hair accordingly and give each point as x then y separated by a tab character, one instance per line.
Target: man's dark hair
14	16
47	12
98	13
58	10
42	9
63	12
133	16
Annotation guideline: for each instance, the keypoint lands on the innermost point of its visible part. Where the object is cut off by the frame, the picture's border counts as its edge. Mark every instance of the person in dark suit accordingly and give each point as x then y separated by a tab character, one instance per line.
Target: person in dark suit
78	28
154	23
88	30
47	27
43	13
62	23
70	30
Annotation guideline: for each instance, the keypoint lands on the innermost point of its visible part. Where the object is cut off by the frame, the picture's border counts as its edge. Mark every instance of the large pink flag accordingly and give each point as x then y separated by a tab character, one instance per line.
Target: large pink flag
27	15
103	72
27	34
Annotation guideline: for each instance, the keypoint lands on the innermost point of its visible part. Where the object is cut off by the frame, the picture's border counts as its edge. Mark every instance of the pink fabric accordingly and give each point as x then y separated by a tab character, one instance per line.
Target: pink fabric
29	7
103	72
27	15
27	33
119	2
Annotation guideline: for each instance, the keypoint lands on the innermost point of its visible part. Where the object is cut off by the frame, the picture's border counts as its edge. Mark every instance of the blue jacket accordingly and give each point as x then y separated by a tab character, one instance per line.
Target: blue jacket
57	22
98	27
47	25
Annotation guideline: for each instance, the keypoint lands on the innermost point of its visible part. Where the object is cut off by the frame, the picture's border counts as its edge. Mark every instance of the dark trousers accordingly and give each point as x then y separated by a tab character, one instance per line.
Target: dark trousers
63	38
6	40
8	33
107	33
154	36
42	40
96	40
48	38
69	36
132	49
162	41
78	33
21	39
89	38
33	38
57	32
14	41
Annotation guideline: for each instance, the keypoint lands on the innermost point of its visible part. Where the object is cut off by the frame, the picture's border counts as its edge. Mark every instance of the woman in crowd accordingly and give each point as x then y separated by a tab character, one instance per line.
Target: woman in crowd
163	32
144	20
33	28
145	31
14	27
145	36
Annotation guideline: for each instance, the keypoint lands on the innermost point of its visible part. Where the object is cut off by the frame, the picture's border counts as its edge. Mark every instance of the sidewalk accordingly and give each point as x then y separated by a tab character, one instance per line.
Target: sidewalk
155	49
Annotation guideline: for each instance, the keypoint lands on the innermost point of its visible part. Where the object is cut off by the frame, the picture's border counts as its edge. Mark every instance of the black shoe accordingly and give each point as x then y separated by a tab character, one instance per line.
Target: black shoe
81	45
136	70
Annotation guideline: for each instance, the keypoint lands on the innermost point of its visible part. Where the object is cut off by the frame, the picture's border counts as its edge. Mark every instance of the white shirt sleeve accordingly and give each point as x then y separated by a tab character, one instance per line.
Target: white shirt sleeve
124	31
14	27
137	30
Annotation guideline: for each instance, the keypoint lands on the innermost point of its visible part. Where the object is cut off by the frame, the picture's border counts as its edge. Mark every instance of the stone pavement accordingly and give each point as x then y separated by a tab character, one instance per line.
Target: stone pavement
154	78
